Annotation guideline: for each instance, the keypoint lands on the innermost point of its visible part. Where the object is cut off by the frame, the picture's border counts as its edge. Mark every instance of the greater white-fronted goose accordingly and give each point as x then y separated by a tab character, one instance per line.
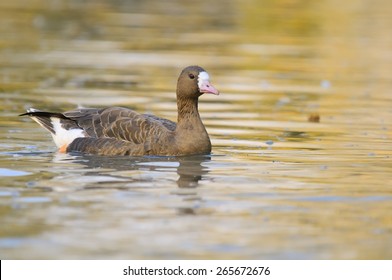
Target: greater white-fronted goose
122	131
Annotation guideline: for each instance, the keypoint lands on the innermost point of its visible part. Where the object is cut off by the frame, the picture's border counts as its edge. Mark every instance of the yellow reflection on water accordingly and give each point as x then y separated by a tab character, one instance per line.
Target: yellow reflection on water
277	185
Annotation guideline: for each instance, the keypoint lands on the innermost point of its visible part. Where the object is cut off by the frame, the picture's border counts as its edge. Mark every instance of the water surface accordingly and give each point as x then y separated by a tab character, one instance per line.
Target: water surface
301	133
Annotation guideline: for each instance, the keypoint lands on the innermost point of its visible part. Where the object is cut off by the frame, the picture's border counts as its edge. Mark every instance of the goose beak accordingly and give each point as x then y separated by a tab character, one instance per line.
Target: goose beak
206	87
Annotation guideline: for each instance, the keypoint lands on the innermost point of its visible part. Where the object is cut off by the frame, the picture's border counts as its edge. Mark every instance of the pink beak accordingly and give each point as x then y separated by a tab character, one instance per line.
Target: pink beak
206	87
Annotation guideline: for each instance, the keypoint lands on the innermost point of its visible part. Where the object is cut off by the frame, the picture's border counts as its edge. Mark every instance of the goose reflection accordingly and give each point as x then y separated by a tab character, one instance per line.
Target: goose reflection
191	169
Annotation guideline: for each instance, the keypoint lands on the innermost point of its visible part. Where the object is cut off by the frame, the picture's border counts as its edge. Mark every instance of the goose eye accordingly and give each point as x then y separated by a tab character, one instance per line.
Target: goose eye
191	76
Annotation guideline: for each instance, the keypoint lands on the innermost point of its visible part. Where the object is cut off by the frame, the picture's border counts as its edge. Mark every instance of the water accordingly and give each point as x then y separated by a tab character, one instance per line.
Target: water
301	132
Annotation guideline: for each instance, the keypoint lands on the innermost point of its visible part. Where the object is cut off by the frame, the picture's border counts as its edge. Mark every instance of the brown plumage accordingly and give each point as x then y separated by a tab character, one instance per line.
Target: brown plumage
122	131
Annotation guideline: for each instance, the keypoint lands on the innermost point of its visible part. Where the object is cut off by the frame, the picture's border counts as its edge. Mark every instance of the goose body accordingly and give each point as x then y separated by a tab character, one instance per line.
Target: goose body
122	131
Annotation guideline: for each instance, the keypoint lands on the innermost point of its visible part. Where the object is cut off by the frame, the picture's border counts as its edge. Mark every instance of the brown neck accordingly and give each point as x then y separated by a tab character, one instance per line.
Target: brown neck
191	133
188	113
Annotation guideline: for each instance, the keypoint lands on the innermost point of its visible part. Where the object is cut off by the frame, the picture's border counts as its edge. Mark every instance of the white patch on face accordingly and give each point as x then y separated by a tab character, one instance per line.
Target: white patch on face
63	136
202	78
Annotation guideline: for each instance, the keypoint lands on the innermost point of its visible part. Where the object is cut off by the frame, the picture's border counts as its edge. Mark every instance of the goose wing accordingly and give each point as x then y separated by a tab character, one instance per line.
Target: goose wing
119	123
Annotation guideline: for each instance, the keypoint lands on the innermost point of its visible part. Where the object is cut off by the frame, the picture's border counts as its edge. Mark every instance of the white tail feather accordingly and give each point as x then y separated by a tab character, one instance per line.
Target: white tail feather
63	136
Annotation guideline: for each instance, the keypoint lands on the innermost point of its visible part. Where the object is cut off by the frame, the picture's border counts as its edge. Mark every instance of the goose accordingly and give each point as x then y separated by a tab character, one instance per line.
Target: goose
115	131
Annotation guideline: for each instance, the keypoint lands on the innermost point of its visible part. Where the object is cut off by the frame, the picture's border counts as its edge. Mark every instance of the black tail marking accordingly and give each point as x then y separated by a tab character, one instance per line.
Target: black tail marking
44	115
44	118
